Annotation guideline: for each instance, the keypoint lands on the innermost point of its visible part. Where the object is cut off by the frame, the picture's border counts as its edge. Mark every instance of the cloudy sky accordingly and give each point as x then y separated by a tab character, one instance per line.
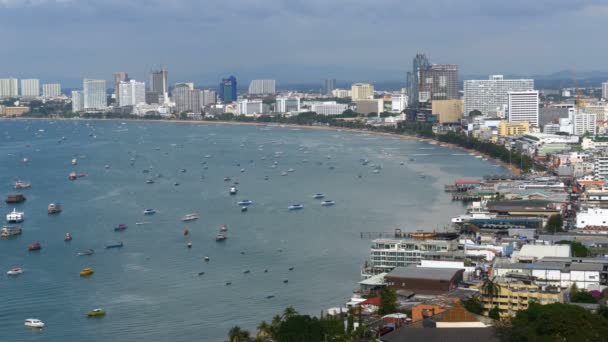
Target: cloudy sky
298	40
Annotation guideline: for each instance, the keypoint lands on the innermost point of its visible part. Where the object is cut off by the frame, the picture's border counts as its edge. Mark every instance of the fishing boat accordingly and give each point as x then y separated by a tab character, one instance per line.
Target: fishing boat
233	190
34	323
34	247
114	245
15	216
86	272
15	271
245	202
285	281
10	231
223	228
54	208
15	198
96	313
190	217
149	212
318	196
220	237
68	237
22	184
120	227
328	203
295	207
72	176
86	252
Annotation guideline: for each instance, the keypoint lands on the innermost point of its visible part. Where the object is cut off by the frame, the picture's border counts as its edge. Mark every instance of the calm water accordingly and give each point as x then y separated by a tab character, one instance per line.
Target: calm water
151	288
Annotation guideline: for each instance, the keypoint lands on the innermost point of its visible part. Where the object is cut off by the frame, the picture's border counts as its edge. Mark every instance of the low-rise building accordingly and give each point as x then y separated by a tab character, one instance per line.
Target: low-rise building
13	110
424	280
508	129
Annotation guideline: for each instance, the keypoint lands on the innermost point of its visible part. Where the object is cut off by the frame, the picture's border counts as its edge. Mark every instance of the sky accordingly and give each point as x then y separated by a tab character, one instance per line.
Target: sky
297	40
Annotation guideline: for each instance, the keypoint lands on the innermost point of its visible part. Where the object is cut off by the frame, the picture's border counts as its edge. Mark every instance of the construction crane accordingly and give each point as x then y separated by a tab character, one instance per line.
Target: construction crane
578	98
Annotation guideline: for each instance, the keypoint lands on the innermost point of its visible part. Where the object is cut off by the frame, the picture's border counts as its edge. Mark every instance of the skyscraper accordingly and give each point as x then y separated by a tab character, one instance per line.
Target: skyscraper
262	87
77	101
362	91
30	87
159	83
131	93
523	106
94	94
182	98
438	82
227	89
605	91
9	87
50	90
120	76
490	96
413	77
209	97
328	86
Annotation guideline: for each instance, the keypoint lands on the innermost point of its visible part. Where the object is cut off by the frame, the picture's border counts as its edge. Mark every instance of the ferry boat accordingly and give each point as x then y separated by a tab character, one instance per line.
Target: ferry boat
86	272
15	216
34	247
245	202
54	208
120	227
233	190
68	237
328	203
72	176
15	271
96	313
15	198
295	207
318	196
149	212
220	237
114	245
190	217
22	184
477	210
34	323
9	231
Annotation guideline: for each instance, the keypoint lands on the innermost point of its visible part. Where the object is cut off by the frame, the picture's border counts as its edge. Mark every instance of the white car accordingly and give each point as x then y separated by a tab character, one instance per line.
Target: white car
34	323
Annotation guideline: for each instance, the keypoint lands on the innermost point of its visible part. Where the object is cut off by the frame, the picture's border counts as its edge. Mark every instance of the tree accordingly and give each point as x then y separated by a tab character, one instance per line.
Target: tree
490	289
578	249
475	113
236	334
300	328
350	322
289	312
582	297
555	223
473	305
388	302
264	330
494	313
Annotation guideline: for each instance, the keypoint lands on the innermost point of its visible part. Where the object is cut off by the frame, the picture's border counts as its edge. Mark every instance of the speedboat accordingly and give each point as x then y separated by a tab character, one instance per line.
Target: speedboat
15	216
318	196
190	217
34	247
86	272
295	207
223	228
114	245
96	313
22	184
34	323
120	227
284	173
245	202
291	170
15	271
233	190
68	237
220	237
327	203
149	212
86	252
54	208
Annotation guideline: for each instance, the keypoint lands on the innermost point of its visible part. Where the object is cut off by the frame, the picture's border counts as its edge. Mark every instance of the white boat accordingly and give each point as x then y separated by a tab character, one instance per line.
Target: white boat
15	271
327	203
233	190
74	161
245	202
149	212
477	210
318	196
295	207
15	216
190	217
34	323
291	170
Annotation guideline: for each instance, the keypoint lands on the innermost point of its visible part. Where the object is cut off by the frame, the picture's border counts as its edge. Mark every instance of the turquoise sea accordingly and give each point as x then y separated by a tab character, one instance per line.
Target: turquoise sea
151	288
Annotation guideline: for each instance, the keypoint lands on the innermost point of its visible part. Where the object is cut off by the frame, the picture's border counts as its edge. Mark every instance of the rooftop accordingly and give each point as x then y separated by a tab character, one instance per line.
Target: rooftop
441	335
424	273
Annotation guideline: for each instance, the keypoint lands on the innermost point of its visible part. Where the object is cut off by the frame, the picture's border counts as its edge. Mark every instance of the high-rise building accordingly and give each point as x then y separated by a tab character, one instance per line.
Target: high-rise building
120	76
208	97
9	87
605	91
328	86
523	106
77	101
399	102
30	87
262	87
585	123
131	93
287	105
50	90
182	98
227	89
420	62
159	83
438	82
362	91
195	100
95	96
490	96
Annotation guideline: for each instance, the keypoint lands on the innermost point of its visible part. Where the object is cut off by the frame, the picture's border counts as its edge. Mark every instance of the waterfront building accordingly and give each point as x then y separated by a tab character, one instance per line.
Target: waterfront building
227	90
398	103
13	110
328	108
514	296
120	76
523	106
509	129
438	82
262	87
585	123
209	97
250	107
159	83
605	91
447	111
420	62
328	86
9	87
287	105
362	91
369	106
490	97
51	90
131	93
182	98
341	93
152	98
77	101
95	97
30	87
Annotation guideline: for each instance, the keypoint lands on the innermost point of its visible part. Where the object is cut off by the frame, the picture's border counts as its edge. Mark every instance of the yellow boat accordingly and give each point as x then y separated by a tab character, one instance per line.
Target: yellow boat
96	313
86	272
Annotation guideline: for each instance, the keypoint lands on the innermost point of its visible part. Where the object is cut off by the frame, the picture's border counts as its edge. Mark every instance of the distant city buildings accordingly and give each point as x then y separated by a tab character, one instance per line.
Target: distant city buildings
9	87
30	87
227	89
51	90
585	123
398	102
447	111
131	93
438	82
182	96
209	97
77	101
120	76
328	86
341	93
94	92
262	87
159	84
287	105
605	91
523	106
490	96
328	108
420	62
250	107
362	91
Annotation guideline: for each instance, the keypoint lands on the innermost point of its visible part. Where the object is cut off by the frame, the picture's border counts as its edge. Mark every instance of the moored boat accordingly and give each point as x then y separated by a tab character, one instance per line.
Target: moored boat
120	227
223	228
96	313
233	190
72	176
54	208
328	203
243	209
15	271
34	247
190	217
22	184
68	237
318	196
15	198
86	272
245	202
149	212
220	237
9	231
15	216
295	207
34	323
114	245
86	252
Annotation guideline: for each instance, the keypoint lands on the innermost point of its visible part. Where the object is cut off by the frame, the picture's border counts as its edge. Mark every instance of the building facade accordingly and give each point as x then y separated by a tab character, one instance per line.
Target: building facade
420	62
227	90
605	91
131	93
50	90
490	97
328	86
9	87
250	107
398	103
77	101
30	87
159	83
328	108
523	106
120	76
585	123
209	97
438	82
362	91
94	94
509	129
447	111
516	296
182	98
287	105
262	87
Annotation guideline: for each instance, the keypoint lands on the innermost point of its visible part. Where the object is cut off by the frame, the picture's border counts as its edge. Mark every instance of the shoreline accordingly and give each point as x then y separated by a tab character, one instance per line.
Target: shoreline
512	168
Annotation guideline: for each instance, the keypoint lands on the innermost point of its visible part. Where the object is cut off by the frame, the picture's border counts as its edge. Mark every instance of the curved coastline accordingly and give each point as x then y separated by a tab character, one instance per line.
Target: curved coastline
511	167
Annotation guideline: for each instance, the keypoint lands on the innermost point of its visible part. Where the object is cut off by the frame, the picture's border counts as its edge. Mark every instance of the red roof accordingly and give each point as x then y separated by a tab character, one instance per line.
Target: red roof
375	301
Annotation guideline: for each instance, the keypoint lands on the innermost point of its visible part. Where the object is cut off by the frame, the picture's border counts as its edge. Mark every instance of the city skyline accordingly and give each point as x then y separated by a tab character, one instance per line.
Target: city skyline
355	50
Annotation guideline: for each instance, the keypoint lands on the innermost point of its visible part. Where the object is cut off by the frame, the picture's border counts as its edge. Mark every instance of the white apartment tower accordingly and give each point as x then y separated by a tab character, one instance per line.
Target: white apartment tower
30	87
585	123
262	87
50	90
94	94
9	87
131	93
523	106
491	96
77	101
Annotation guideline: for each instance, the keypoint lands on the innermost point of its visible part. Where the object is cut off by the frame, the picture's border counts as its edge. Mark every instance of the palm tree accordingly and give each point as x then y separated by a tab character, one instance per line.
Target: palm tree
236	334
264	330
275	324
490	289
289	312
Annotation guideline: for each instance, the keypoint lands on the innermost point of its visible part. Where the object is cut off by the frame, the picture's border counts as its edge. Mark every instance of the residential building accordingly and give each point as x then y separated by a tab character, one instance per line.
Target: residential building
600	168
523	106
514	296
362	91
508	129
287	105
227	90
328	108
120	76
341	93
159	83
182	98
490	96
209	97
9	87
585	123
77	101
605	91
328	86
131	93
599	109
447	111
438	82
250	107
551	128
398	102
420	62
153	98
95	97
370	106
262	87
30	87
50	90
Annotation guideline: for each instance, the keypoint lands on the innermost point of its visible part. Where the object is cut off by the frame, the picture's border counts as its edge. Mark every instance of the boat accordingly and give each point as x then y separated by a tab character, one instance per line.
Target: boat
25	160
295	207
186	232
328	203
189	244
15	198
15	271
246	271
22	184
291	268
120	227
86	272
270	296
68	237
150	181
233	190
96	313
227	179
243	209
74	161
201	273
149	212
220	237
34	247
15	216
9	231
190	217
114	245
245	202
285	281
54	208
284	173
223	228
228	283
86	252
34	323
141	223
291	170
206	258
318	196
183	170
72	176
